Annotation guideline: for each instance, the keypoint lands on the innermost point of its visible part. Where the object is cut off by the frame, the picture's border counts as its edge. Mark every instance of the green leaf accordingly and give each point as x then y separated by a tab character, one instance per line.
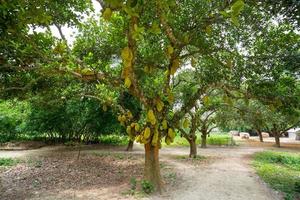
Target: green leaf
235	20
237	7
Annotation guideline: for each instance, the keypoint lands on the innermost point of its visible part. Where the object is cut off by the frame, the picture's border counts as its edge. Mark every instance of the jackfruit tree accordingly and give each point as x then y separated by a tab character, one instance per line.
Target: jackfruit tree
161	39
211	78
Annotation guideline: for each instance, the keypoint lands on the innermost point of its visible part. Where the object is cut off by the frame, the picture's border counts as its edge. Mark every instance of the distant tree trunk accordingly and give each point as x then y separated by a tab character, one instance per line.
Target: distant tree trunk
193	147
130	145
203	140
260	135
277	139
152	167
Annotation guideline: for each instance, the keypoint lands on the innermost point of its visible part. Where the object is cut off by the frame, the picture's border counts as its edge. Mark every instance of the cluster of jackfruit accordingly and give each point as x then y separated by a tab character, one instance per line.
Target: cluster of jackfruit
127	56
125	118
132	130
170	136
145	136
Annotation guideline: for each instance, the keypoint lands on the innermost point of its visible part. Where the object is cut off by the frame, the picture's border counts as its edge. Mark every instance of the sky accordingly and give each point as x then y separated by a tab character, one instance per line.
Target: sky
70	32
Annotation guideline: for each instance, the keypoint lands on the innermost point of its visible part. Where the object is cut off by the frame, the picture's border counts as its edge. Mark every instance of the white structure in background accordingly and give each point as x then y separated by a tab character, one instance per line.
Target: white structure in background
293	133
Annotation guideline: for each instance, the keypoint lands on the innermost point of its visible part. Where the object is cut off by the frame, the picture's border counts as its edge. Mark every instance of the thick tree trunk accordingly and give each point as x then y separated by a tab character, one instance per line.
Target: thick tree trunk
203	140
277	139
260	135
130	145
193	148
152	167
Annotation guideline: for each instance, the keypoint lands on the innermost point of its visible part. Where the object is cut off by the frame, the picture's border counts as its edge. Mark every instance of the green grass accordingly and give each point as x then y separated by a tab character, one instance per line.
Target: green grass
281	170
8	162
215	139
114	139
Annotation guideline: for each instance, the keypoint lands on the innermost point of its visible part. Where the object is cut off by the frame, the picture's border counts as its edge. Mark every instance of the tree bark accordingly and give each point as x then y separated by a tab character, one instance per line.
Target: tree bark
277	139
260	135
193	148
203	140
152	167
130	145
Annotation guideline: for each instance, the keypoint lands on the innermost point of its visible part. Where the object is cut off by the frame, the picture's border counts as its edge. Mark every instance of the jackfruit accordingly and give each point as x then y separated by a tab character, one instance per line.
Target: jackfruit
126	54
138	139
137	127
151	117
128	130
147	133
165	124
186	123
155	138
167	140
159	105
120	118
170	50
170	98
107	14
127	82
171	134
175	66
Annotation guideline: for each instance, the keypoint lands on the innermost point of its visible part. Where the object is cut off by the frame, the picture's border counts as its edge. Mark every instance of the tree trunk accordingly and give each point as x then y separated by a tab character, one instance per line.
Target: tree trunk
193	148
152	167
260	135
130	145
203	140
277	139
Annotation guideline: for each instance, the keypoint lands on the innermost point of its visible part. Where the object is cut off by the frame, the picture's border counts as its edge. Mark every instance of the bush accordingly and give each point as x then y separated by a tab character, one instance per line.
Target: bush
280	170
13	116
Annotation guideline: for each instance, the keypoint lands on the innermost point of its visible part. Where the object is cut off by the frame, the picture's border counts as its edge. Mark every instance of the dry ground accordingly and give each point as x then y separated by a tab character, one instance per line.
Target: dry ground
104	172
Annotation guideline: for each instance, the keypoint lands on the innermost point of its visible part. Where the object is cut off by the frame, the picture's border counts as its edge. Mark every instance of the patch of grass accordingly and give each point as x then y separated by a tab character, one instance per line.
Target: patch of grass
280	170
147	186
113	139
220	140
8	162
214	139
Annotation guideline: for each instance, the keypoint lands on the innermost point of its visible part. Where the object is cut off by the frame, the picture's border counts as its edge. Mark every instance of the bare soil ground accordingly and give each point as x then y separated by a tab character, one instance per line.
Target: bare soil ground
104	172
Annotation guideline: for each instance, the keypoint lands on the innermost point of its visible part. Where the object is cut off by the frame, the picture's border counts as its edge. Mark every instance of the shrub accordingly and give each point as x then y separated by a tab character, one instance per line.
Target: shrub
147	186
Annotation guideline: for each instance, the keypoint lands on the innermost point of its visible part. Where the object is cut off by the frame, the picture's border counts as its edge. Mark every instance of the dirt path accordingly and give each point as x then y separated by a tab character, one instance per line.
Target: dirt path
228	177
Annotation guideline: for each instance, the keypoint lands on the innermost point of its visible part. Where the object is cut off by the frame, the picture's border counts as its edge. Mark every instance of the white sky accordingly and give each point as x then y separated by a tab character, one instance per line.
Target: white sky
70	32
